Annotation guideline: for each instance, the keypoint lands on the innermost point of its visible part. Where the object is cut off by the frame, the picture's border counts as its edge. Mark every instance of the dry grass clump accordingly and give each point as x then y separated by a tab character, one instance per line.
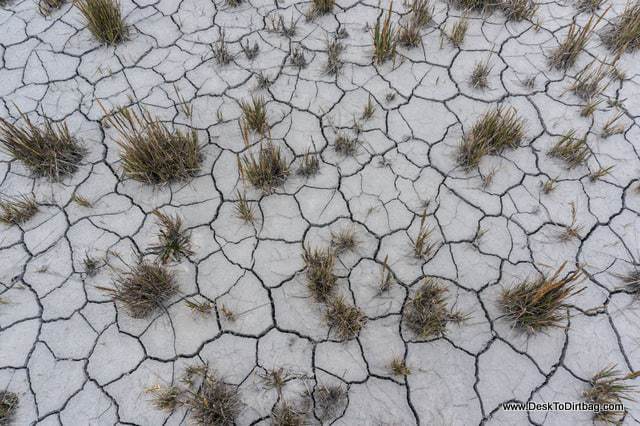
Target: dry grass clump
590	82
286	414
632	281
423	247
254	115
344	240
537	305
420	15
251	52
600	173
319	265
384	38
588	5
480	74
518	10
322	7
565	55
608	386
310	164
174	241
459	31
495	131
8	405
208	398
46	7
104	20
334	63
330	401
297	57
345	319
151	152
345	145
220	51
570	149
266	171
612	127
48	151
398	367
18	210
143	288
624	33
243	209
427	313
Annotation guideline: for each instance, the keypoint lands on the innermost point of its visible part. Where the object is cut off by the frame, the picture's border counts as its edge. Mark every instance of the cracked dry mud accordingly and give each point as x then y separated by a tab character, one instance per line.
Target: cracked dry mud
74	357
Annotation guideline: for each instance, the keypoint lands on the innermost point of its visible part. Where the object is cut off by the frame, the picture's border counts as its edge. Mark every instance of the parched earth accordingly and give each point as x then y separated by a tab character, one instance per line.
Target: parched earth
75	357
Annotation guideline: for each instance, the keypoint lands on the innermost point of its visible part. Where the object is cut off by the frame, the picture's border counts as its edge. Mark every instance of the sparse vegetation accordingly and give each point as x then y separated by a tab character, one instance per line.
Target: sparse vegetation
220	51
518	10
607	387
573	230
297	57
479	75
254	115
208	398
8	405
570	149
384	39
81	201
600	173
152	153
91	265
104	20
48	151
310	164
423	247
46	7
251	52
624	34
346	320
322	7
386	277
549	185
319	265
345	144
174	242
368	111
612	127
419	15
459	31
266	171
243	209
203	307
589	5
18	210
427	313
398	367
565	55
536	305
631	281
334	63
143	288
495	131
344	240
286	414
590	82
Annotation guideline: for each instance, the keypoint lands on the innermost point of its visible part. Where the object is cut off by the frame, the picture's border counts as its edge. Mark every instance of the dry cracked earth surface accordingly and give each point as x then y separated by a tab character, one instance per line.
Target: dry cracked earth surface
73	356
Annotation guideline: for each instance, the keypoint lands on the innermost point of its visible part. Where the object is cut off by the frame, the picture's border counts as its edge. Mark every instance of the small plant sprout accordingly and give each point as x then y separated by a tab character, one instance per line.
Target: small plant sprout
203	307
573	230
589	108
220	51
600	173
368	111
334	63
310	164
266	171
208	399
254	115
427	313
458	31
143	288
330	401
263	81
81	201
386	277
344	240
174	241
345	145
495	131
286	414
104	20
91	265
384	38
420	14
390	97
423	247
8	405
590	82
288	30
251	52
398	367
611	127
18	210
570	149
537	305
480	74
275	378
297	57
48	151
549	185
319	265
607	388
624	34
243	209
152	153
565	55
227	313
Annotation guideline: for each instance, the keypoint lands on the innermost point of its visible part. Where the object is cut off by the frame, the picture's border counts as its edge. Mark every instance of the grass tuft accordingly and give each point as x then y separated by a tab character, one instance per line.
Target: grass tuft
607	387
570	149
632	281
384	38
48	151
398	367
174	242
565	55
267	170
427	313
423	247
611	127
420	14
297	57
104	20
220	51
334	63
150	152
518	10
624	33
319	265
322	7
495	131
537	305
480	74
345	145
143	288
285	414
47	7
18	210
254	115
91	265
345	319
590	82
310	164
8	405
243	209
459	31
344	240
